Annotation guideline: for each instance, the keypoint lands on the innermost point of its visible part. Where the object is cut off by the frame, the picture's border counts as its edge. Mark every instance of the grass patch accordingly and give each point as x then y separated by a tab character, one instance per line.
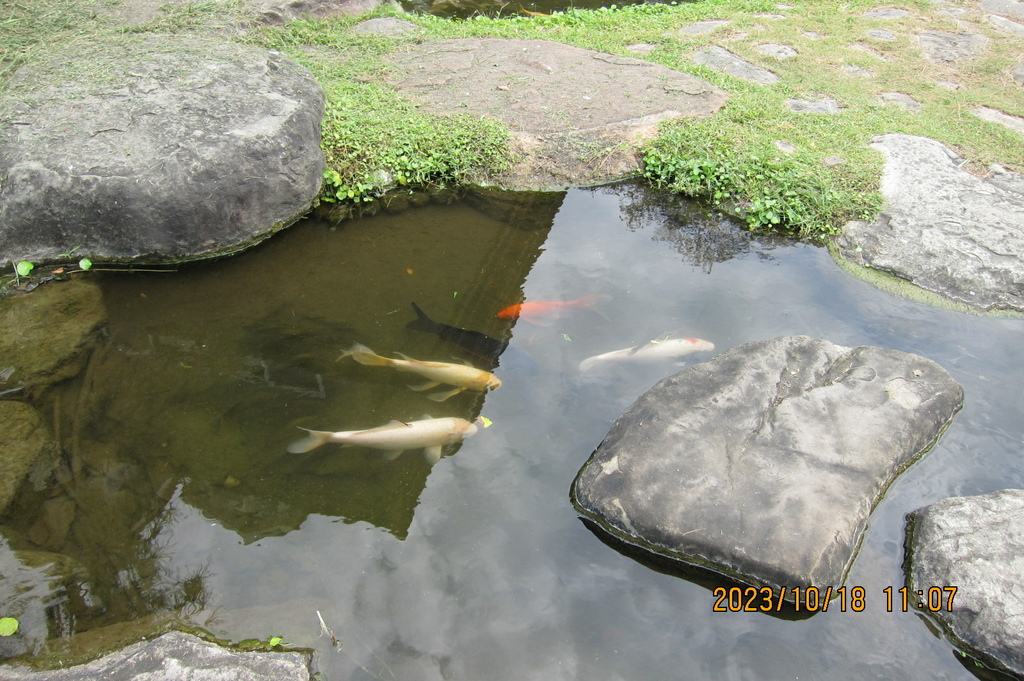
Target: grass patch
374	139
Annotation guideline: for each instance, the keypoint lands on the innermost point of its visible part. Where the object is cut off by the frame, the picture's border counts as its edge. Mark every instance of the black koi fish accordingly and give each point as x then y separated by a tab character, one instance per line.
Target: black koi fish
475	342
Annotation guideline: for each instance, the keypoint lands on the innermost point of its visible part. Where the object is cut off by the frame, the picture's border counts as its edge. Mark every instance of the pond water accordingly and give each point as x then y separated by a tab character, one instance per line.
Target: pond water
477	567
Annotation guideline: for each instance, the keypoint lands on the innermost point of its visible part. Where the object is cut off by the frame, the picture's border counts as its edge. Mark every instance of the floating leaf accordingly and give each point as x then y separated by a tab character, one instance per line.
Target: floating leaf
8	626
565	337
24	267
85	263
275	640
486	421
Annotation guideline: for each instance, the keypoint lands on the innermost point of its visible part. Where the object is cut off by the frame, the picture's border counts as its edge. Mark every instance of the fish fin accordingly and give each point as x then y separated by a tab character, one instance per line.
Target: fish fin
422	321
426	386
314	439
588	363
365	355
391	454
590	302
432	454
427	417
442	396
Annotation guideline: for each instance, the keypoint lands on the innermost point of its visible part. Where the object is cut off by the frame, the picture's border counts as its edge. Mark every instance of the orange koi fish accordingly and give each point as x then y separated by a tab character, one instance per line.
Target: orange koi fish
532	311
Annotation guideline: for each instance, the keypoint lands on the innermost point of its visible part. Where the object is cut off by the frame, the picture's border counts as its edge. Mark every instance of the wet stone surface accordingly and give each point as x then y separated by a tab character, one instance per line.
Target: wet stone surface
764	463
977	545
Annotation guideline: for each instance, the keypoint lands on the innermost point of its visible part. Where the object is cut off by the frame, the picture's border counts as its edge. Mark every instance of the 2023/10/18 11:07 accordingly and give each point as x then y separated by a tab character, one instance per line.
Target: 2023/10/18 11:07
815	599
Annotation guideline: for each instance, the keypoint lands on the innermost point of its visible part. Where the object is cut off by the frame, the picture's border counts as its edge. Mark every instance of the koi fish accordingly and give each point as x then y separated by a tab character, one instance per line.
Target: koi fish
531	311
462	376
654	351
395	437
475	342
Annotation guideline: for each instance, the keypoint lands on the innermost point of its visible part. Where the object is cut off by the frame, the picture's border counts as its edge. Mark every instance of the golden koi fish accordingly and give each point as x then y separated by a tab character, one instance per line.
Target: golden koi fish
395	437
462	376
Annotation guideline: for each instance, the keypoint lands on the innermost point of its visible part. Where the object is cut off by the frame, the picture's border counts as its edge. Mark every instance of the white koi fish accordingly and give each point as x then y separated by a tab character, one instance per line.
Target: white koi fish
654	351
462	376
395	437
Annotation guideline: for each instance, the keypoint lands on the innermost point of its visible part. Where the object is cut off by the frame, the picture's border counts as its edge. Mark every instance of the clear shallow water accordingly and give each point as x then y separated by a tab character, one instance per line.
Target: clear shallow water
478	567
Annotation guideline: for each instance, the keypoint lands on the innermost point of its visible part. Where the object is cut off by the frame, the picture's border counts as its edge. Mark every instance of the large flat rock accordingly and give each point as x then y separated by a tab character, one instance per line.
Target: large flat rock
943	229
975	544
155	149
764	463
577	116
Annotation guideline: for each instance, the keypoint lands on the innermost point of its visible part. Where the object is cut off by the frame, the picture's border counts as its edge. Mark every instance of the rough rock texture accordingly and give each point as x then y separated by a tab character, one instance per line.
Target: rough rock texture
579	116
942	228
976	544
764	463
720	59
283	11
158	149
47	333
175	656
23	439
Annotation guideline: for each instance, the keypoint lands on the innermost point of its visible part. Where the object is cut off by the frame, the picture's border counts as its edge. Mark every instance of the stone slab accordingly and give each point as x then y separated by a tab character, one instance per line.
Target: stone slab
764	463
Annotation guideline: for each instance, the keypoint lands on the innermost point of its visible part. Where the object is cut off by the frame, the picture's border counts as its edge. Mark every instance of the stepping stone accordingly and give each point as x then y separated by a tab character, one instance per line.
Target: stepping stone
702	27
942	228
1009	8
826	105
900	99
565	104
785	147
881	34
974	544
764	463
386	26
811	35
777	51
1006	26
887	13
941	47
1018	73
995	116
722	60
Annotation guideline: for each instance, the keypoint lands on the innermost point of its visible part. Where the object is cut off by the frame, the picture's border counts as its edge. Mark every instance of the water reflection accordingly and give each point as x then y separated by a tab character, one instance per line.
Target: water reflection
183	495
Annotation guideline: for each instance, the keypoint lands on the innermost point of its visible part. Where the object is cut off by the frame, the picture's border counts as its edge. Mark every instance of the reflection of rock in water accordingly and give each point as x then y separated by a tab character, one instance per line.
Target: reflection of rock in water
701	237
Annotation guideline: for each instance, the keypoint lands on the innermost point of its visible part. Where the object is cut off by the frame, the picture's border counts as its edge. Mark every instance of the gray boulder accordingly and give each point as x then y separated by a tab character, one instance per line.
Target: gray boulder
942	228
155	149
764	463
977	545
176	655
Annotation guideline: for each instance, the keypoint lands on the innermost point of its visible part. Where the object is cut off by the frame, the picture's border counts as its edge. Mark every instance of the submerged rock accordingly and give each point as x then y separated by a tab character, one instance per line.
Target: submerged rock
942	228
23	440
177	655
47	333
764	463
975	544
155	149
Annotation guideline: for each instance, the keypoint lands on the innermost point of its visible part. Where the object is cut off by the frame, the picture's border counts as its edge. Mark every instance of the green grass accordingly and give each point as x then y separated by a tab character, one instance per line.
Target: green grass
374	139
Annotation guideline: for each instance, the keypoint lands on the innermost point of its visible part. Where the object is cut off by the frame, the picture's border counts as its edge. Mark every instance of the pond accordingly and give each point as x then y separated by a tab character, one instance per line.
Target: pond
476	567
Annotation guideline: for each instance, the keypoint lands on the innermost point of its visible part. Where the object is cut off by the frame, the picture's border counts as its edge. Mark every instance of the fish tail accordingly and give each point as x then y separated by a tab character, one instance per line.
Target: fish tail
422	321
314	439
365	355
592	301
